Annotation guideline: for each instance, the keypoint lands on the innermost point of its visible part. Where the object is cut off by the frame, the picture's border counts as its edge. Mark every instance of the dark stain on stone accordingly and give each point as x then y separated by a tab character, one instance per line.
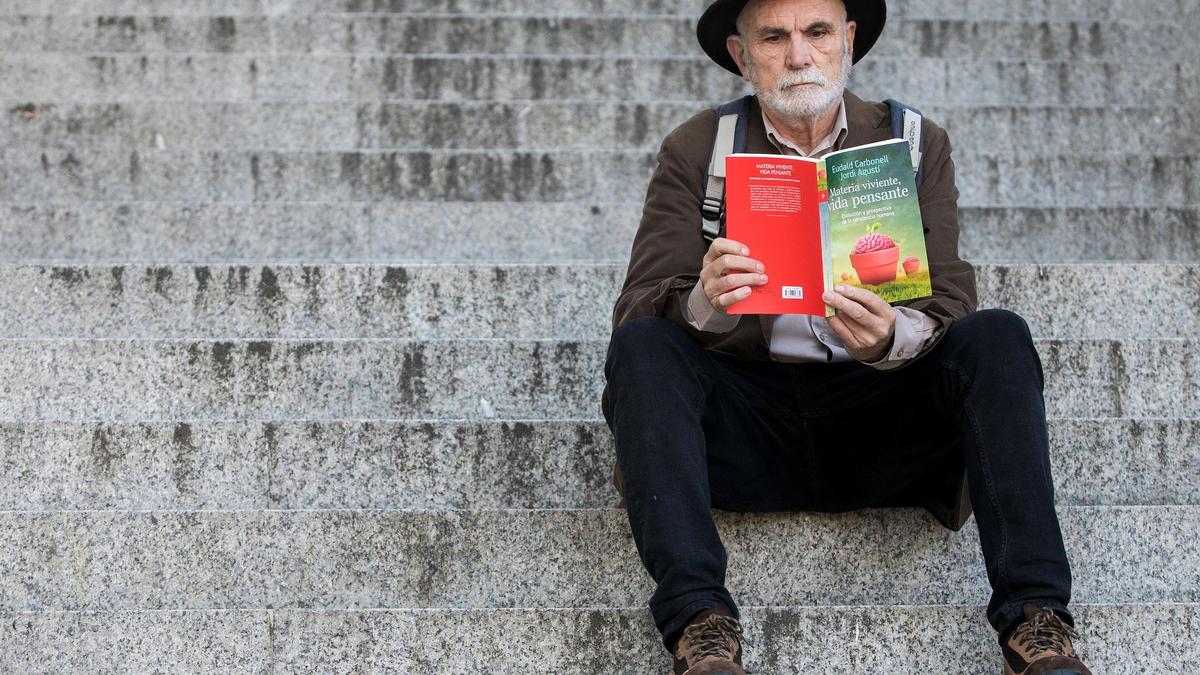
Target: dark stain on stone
222	33
641	124
412	379
312	284
537	78
256	175
362	122
596	211
391	75
104	454
203	277
222	358
162	276
184	467
70	276
391	177
260	349
551	187
271	455
71	165
302	350
253	78
243	276
118	276
45	164
350	169
1120	382
268	287
135	168
395	283
1096	40
26	111
194	352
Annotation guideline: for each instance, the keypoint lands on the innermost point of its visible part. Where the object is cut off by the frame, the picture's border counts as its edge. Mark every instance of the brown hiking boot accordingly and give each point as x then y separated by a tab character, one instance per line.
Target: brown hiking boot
1041	645
711	645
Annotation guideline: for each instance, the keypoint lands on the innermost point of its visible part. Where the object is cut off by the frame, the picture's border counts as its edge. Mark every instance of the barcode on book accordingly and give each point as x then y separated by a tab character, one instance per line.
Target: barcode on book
793	292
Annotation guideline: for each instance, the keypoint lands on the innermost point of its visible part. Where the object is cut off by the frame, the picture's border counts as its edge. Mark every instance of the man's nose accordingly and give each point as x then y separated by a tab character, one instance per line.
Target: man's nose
800	53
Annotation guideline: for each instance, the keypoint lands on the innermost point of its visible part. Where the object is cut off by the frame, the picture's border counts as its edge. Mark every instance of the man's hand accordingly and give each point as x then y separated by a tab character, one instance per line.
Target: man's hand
865	323
728	274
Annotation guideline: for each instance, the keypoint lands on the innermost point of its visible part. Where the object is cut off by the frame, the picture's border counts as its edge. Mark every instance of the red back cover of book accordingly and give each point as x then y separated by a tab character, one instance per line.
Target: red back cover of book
772	205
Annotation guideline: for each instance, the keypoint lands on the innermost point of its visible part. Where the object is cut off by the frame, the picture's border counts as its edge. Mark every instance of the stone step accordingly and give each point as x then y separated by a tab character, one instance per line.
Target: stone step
351	559
145	380
1065	180
309	232
62	78
559	35
1148	11
494	301
538	125
397	464
1124	639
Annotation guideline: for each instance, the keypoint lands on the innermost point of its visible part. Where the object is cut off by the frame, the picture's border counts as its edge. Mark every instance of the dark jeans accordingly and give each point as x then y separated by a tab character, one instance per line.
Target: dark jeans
696	431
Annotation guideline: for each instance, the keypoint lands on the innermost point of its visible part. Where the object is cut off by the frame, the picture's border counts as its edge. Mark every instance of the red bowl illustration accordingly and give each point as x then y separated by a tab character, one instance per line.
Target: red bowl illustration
876	267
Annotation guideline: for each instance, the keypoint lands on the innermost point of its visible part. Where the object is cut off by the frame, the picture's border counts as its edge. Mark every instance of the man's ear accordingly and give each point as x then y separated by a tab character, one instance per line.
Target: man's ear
851	27
733	44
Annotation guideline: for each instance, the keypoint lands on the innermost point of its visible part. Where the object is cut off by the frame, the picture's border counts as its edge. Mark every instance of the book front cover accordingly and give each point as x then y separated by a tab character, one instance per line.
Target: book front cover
877	240
772	206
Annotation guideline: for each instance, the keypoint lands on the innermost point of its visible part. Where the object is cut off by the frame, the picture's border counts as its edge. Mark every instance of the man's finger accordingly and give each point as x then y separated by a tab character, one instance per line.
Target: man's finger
848	308
850	339
727	299
862	296
731	281
729	262
720	246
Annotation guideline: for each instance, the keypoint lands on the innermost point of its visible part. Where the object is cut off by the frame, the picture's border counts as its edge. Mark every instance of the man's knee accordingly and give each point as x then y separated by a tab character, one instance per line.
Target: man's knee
992	332
647	339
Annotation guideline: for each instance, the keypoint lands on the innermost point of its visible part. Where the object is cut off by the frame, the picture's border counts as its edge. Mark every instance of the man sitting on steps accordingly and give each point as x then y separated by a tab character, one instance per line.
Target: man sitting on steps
764	413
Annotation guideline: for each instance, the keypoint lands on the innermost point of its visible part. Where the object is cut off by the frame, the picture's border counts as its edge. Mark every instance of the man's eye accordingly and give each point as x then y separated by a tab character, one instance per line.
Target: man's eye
774	38
819	33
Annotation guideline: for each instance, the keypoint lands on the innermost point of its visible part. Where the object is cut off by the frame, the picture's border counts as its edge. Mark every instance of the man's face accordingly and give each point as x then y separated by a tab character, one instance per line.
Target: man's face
795	53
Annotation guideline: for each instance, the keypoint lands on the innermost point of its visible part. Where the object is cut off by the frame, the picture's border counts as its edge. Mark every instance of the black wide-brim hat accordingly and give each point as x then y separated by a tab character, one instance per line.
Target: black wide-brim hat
719	21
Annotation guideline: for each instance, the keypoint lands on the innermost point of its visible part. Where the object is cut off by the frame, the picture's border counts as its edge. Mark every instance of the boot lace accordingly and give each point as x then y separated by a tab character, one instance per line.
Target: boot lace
714	636
1045	632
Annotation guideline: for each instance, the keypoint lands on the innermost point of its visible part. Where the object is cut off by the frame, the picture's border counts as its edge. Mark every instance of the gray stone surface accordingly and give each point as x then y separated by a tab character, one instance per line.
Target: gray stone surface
610	36
138	380
1133	10
65	176
210	466
503	301
124	642
1119	640
222	233
1122	639
391	464
549	558
539	125
234	77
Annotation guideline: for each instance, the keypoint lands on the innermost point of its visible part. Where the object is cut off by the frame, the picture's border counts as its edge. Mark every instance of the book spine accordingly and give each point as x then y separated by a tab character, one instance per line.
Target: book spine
826	237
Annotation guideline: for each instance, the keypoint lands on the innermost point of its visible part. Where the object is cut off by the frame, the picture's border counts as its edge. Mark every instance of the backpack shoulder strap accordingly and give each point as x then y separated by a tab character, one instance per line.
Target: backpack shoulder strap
906	124
730	137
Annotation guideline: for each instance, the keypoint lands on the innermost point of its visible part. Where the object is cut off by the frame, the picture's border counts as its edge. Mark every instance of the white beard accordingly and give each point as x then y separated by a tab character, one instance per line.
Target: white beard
801	103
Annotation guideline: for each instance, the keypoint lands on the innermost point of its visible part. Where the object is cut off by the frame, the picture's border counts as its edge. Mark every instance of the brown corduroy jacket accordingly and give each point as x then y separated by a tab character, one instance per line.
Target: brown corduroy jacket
669	248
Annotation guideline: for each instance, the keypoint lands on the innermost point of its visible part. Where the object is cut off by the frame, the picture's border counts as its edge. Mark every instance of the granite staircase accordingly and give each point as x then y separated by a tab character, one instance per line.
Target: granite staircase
303	308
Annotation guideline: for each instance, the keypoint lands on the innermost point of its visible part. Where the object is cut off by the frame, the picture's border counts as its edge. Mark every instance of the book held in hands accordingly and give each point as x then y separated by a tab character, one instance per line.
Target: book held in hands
851	217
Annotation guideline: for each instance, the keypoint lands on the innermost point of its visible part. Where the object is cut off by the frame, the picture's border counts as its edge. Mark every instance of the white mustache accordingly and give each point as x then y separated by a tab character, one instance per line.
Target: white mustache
811	76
